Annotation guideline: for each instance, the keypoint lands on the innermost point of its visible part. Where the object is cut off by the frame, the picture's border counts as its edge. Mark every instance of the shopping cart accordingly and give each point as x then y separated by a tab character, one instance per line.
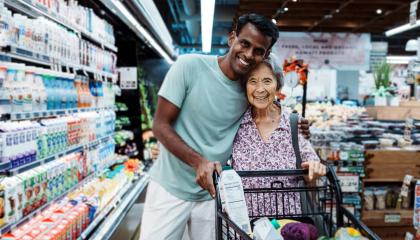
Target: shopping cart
323	205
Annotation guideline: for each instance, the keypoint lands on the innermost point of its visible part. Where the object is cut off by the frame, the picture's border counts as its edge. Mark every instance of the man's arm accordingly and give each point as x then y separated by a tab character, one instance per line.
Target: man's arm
166	114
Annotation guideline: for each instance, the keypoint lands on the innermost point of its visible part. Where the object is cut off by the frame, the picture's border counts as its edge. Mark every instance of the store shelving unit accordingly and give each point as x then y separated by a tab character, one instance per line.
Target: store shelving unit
107	220
10	227
6	168
9	53
386	167
35	10
111	216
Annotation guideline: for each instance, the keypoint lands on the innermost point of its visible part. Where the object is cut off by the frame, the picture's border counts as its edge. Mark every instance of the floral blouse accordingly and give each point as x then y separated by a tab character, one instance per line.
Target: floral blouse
250	152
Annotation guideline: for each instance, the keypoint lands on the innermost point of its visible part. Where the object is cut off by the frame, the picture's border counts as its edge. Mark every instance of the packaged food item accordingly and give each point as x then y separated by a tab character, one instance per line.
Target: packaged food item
380	194
264	230
369	201
11	199
233	199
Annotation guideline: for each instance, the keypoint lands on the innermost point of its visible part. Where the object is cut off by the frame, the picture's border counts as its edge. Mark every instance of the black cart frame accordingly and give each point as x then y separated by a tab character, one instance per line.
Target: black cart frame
325	201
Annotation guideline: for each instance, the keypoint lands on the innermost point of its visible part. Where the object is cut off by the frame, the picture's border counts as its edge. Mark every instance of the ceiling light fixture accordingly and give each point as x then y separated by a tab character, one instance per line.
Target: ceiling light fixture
294	0
207	16
378	11
402	28
337	10
274	21
140	31
286	9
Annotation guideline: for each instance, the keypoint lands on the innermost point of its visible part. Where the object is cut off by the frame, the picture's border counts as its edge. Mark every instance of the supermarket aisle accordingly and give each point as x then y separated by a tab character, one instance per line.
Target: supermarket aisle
130	226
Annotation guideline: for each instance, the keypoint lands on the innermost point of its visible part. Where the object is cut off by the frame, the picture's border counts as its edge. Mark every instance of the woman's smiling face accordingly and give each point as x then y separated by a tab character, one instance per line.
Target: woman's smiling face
261	86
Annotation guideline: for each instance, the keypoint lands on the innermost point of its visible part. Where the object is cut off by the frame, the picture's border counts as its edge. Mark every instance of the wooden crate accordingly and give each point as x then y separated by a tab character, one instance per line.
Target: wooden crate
392	233
392	164
394	113
376	218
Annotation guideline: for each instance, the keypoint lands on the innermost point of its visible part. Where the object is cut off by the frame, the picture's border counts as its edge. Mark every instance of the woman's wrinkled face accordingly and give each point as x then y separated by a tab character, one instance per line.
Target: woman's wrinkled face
261	87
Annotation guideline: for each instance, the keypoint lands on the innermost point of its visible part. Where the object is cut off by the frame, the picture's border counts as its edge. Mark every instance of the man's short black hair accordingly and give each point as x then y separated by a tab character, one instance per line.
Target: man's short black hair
263	24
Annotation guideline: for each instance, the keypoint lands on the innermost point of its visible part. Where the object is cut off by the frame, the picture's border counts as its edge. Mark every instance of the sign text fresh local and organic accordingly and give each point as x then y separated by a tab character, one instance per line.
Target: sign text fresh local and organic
341	51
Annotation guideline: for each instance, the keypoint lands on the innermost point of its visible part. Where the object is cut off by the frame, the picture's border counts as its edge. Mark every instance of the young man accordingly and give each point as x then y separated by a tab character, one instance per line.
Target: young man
200	106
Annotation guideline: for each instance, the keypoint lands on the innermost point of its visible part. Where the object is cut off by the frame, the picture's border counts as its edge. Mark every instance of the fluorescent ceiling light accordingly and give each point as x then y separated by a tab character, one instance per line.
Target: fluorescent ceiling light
141	32
402	28
399	59
207	16
150	11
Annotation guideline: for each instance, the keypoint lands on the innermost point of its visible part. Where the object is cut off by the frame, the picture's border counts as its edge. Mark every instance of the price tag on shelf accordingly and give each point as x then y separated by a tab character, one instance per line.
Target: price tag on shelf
392	218
349	182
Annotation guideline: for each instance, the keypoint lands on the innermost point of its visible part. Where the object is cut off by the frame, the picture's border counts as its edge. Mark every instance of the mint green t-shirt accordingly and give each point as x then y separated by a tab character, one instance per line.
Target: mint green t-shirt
211	107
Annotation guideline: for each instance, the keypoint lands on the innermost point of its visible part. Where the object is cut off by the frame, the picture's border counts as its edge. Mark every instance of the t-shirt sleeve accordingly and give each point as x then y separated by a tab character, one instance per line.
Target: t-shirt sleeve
306	150
175	86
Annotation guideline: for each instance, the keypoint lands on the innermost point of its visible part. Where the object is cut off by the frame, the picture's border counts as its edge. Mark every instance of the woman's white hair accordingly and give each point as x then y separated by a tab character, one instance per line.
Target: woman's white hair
274	63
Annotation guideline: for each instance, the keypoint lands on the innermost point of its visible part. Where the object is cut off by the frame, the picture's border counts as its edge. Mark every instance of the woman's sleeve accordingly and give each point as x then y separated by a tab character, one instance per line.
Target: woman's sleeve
306	150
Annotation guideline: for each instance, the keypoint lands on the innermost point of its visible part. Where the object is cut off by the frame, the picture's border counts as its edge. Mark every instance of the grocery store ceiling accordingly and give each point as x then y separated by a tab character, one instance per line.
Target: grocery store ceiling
374	16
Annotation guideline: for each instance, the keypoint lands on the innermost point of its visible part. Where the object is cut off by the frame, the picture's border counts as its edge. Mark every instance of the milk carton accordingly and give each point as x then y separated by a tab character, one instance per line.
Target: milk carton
233	199
264	230
11	199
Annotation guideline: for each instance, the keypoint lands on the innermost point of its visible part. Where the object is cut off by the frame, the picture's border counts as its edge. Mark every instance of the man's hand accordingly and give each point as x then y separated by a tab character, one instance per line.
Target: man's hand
316	169
204	174
155	150
304	128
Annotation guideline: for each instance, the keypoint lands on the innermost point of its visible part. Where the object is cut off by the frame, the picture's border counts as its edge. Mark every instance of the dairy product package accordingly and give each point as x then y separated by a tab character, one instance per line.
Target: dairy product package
264	230
233	199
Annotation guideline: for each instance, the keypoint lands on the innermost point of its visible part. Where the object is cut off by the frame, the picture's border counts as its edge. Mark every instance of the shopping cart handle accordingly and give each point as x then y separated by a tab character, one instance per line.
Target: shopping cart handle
273	173
216	177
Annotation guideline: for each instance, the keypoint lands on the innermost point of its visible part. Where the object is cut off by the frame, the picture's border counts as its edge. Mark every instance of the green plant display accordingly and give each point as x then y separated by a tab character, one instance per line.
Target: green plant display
381	76
146	115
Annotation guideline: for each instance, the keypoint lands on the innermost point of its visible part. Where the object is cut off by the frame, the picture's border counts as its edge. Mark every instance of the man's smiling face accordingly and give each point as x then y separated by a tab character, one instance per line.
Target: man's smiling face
247	49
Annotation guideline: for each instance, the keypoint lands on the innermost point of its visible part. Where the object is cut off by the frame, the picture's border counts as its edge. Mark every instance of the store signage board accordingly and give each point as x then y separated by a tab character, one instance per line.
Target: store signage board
341	51
128	78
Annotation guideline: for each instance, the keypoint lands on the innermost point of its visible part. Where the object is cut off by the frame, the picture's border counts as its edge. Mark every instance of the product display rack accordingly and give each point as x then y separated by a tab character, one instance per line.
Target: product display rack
8	228
49	113
6	168
18	54
28	8
108	220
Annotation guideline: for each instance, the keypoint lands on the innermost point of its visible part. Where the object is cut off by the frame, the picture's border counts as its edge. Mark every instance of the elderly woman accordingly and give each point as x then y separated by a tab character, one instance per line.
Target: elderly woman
264	142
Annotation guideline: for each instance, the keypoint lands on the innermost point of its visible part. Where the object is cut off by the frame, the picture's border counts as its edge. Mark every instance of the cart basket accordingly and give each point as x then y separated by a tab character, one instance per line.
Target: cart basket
320	205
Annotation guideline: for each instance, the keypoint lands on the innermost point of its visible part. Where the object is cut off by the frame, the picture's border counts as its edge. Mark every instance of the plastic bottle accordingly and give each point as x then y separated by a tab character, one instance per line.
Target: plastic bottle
28	87
4	96
18	89
78	88
40	87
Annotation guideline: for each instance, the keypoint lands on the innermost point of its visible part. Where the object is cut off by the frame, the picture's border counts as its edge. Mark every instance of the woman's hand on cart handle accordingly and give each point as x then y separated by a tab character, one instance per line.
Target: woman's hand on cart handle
315	168
204	175
304	128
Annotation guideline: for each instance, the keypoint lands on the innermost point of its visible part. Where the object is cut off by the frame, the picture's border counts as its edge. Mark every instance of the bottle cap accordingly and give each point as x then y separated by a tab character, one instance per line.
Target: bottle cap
275	224
226	168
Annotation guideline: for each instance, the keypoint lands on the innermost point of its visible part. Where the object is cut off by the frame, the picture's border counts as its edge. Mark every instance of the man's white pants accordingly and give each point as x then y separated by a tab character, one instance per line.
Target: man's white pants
166	217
